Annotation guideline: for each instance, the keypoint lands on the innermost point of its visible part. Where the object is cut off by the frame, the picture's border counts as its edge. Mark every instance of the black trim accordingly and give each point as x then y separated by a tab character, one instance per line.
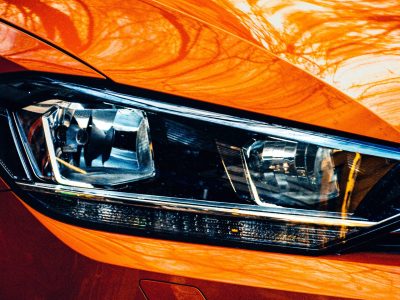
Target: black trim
364	240
40	207
388	243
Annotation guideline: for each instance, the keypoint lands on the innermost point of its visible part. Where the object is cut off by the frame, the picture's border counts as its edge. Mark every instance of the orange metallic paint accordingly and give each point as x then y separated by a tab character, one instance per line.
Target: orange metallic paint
351	45
333	64
213	51
363	275
37	265
29	53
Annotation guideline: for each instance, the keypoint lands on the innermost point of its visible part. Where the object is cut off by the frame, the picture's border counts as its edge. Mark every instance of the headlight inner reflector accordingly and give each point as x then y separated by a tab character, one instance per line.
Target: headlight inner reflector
90	147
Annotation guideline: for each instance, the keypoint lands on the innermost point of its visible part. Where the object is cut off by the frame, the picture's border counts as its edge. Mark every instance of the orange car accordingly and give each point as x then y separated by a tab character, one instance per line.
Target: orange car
187	149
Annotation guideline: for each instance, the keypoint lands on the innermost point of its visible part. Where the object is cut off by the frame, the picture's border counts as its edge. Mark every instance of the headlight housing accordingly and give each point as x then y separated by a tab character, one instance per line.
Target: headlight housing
81	146
134	164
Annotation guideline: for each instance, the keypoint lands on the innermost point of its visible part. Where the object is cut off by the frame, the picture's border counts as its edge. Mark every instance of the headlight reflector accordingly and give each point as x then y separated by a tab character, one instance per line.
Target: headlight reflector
89	147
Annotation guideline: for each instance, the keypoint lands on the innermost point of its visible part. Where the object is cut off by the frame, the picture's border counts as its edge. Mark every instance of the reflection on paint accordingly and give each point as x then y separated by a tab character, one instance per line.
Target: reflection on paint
350	45
353	45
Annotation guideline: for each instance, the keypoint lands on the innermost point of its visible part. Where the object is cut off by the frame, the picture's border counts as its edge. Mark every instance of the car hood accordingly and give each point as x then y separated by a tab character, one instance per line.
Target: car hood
327	63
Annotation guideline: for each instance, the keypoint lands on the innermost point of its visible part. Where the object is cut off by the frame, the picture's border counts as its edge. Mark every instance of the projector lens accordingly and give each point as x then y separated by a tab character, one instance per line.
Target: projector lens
83	146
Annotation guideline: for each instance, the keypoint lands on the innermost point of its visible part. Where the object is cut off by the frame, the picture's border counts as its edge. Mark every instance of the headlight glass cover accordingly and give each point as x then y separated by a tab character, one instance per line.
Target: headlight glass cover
85	146
152	167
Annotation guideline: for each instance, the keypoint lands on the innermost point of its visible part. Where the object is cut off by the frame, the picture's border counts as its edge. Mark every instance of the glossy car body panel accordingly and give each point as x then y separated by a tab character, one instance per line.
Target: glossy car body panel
36	265
351	45
159	48
357	275
20	52
335	68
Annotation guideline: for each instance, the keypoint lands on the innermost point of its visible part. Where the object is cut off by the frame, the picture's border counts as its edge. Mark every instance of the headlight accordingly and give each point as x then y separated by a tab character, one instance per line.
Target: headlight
143	166
81	145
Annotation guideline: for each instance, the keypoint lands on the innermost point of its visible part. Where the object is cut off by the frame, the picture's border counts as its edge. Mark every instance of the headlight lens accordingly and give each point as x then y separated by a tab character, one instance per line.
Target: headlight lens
287	173
82	146
147	166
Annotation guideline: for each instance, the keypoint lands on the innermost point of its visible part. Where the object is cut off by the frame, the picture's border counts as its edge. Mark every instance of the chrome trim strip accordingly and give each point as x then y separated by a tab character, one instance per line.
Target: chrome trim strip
273	130
15	134
23	141
200	206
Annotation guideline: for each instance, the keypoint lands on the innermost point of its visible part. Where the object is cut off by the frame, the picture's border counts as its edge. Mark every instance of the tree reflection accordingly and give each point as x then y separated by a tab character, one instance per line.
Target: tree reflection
353	45
197	52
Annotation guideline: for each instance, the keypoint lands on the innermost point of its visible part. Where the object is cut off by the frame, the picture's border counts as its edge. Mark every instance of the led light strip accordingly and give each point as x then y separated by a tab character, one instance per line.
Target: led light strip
199	206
